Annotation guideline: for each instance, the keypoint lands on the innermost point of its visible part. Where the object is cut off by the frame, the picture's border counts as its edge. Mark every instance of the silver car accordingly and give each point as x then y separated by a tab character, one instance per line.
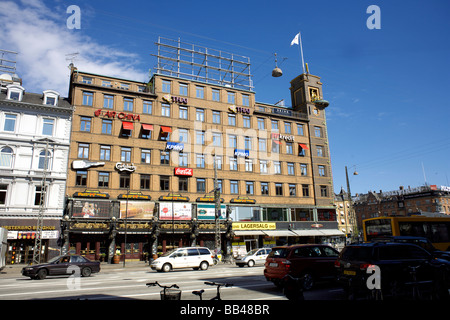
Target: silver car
253	257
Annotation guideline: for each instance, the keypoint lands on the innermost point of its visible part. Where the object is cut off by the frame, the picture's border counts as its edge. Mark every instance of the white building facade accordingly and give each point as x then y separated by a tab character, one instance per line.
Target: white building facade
34	147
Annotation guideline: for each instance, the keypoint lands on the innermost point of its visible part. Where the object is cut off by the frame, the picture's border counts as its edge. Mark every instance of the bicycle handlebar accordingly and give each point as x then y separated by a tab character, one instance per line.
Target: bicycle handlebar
153	284
218	284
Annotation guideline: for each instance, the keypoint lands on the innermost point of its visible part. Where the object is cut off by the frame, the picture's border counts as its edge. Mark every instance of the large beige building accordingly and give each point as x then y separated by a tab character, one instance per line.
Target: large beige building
145	158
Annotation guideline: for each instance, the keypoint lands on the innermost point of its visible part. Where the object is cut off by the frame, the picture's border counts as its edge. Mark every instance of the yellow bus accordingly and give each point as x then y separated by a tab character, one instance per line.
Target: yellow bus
435	229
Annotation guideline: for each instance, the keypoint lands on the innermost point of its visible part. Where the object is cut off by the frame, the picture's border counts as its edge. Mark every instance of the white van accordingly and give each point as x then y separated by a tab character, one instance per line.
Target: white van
190	257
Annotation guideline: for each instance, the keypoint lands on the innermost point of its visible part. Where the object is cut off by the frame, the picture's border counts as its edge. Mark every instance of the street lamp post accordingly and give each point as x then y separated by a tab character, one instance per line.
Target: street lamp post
352	215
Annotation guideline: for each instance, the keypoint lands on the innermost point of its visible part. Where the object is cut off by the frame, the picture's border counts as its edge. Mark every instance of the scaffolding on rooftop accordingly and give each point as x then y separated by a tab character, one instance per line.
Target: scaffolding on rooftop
192	62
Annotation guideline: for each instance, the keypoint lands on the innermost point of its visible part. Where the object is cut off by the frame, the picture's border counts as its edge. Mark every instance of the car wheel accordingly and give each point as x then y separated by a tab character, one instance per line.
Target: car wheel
42	274
251	263
166	268
204	265
86	272
308	281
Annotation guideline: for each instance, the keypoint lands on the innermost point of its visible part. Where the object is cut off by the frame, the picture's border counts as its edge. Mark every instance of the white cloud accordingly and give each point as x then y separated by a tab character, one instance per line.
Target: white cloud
43	41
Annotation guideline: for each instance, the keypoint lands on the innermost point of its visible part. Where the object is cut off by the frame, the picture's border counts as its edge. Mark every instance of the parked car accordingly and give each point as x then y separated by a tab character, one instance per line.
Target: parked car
253	257
62	265
420	241
190	257
311	262
401	266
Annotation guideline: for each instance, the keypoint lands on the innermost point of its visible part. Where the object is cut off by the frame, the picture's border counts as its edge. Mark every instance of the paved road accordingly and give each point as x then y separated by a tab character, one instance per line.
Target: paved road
117	283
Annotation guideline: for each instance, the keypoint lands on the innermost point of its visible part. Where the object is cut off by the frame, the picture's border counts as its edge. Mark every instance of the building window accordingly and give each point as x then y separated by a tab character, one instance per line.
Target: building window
43	159
287	127
217	139
318	132
263	166
322	171
47	127
231	97
262	144
10	122
165	158
216	117
248	143
200	160
249	165
199	92
215	95
108	101
303	169
165	110
278	189
232	141
145	181
292	190
183	112
83	151
249	187
86	80
125	154
290	168
3	193
85	124
124	180
81	178
234	187
164	183
146	156
300	129
147	107
183	135
218	162
277	167
245	100
246	120
39	192
261	124
200	115
274	125
105	153
103	179
323	191
233	164
182	184
305	190
6	156
183	89
88	98
320	151
231	119
289	148
166	86
183	159
264	188
128	104
106	126
201	185
106	83
200	138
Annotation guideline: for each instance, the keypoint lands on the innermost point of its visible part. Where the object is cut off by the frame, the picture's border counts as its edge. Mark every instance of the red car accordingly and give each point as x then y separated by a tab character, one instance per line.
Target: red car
311	262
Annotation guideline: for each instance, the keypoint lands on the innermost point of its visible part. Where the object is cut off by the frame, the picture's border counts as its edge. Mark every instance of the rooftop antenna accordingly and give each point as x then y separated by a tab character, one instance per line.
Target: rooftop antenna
72	57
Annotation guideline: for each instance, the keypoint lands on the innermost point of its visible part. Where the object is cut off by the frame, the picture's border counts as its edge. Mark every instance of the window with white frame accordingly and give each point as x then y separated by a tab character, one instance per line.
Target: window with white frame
6	157
10	122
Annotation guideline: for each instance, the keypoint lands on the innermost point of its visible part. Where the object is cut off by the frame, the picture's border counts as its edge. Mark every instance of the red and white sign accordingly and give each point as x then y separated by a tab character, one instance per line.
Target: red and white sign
184	172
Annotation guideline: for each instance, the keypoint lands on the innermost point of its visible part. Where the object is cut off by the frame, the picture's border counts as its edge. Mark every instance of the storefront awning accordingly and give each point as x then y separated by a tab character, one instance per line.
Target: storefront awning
127	125
318	233
303	146
279	233
148	127
166	129
248	233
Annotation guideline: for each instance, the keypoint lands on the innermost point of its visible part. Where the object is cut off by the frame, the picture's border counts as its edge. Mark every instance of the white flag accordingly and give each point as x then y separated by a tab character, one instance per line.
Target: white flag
295	40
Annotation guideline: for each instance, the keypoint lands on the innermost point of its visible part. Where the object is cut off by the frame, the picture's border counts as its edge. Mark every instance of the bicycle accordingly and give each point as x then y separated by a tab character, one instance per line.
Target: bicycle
199	293
167	293
417	293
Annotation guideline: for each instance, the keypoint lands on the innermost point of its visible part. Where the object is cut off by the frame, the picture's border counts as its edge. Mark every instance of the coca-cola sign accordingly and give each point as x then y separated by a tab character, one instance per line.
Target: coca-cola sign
184	172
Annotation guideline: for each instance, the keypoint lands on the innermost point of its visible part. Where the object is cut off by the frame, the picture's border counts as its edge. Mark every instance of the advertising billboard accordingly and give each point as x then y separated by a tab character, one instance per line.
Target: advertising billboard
137	209
208	211
175	211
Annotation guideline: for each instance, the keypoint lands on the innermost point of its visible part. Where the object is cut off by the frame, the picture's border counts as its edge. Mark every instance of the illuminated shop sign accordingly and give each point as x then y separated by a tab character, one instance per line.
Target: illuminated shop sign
243	200
241	153
170	99
118	115
174	146
284	112
254	225
184	172
277	136
235	109
125	167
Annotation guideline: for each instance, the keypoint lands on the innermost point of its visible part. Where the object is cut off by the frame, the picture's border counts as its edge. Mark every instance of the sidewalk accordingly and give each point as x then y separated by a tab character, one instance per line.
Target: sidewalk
16	269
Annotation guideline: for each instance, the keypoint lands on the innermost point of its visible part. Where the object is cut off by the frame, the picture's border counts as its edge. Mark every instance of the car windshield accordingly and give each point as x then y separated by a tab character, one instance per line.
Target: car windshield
53	260
168	253
278	253
357	253
252	252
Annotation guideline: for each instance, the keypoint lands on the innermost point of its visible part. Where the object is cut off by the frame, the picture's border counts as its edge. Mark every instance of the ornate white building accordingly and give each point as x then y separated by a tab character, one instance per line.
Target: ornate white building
34	145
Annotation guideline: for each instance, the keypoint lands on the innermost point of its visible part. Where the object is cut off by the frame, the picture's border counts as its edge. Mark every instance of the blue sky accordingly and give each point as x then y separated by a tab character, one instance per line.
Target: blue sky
389	113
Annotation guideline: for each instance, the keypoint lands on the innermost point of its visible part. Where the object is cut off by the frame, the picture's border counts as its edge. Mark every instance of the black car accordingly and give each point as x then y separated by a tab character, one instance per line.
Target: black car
62	265
406	271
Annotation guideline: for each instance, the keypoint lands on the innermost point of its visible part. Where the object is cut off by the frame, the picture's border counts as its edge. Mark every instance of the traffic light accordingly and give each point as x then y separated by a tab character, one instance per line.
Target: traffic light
13	255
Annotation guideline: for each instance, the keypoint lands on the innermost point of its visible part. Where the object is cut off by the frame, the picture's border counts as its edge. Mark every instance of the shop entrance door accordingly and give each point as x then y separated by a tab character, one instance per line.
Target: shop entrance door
251	244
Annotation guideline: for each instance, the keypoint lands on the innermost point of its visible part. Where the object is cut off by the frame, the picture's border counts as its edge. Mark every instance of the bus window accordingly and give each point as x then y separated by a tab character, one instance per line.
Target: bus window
377	228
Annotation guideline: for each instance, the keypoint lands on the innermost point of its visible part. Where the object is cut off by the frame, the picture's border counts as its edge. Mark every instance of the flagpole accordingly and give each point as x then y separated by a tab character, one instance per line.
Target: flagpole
301	51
